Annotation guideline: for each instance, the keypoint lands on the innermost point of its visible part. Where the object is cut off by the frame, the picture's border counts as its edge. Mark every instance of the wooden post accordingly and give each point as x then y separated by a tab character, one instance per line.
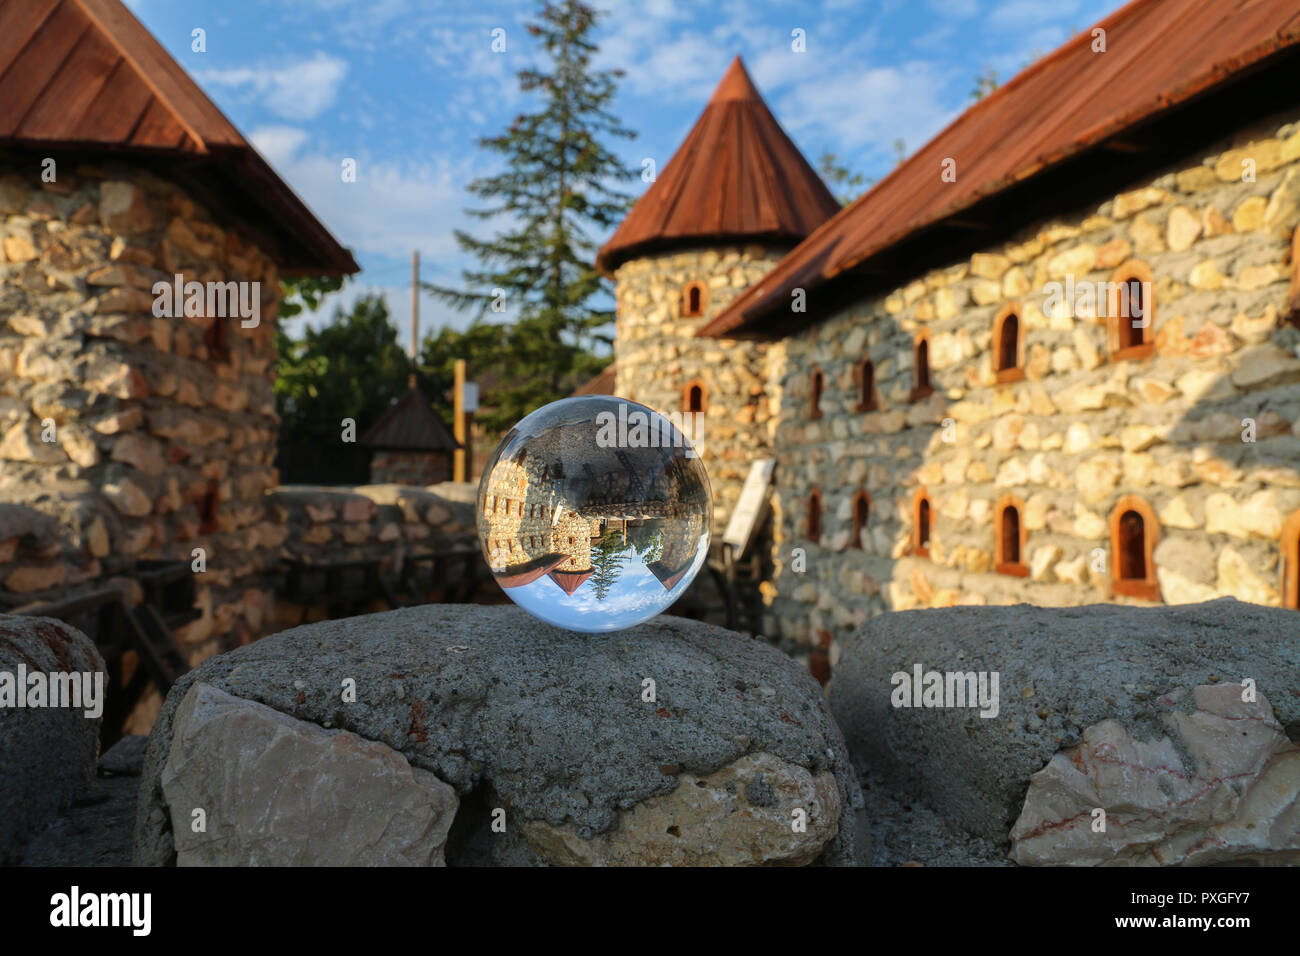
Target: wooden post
460	423
415	316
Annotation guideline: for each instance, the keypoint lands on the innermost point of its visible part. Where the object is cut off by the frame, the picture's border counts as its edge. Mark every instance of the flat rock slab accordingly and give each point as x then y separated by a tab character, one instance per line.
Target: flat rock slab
571	735
47	752
249	786
1222	787
1061	670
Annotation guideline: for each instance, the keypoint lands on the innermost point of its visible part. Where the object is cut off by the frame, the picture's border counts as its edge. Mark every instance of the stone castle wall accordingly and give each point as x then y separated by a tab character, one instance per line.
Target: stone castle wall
409	467
1078	432
142	437
658	356
388	524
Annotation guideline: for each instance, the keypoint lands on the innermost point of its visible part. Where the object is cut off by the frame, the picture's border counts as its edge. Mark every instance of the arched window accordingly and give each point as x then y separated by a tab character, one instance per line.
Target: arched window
815	388
1009	545
1291	562
695	396
216	340
694	297
1008	365
921	384
866	377
208	510
814	515
1131	311
861	512
922	511
1133	534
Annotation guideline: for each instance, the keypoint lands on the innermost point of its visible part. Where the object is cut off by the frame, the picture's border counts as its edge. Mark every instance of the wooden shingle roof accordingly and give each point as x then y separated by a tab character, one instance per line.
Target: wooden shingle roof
1159	54
409	425
602	384
737	176
85	75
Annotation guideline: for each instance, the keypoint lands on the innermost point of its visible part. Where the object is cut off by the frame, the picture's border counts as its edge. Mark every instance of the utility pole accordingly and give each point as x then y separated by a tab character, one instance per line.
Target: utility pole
460	423
415	312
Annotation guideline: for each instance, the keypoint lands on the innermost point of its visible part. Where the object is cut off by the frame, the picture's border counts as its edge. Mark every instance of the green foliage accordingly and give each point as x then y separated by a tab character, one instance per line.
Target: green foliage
554	196
985	84
608	555
351	368
842	181
306	292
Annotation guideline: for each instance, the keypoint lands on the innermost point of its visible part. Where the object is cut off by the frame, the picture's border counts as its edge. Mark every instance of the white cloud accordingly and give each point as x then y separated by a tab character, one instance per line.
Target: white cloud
279	144
871	107
300	90
1023	15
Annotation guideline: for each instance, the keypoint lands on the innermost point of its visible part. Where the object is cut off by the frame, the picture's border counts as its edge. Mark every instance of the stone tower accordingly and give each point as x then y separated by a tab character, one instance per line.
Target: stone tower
736	196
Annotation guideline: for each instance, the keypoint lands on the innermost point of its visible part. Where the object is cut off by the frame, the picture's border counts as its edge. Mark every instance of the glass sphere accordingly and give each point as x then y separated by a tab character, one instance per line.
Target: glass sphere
594	513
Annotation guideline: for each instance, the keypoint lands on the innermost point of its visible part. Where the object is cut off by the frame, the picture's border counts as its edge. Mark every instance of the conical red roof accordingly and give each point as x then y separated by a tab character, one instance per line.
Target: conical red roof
569	581
736	176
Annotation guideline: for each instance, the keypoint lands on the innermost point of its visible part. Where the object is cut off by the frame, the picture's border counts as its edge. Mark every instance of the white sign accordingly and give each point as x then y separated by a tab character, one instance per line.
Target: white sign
469	397
753	498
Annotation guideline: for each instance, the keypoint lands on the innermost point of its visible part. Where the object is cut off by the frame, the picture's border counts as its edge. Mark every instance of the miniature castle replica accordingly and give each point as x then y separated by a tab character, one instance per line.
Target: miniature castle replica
1051	358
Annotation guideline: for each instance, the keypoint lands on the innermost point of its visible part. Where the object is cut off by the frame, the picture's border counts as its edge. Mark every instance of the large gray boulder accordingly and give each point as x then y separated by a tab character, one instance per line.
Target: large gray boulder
1060	670
48	751
1221	787
670	742
249	786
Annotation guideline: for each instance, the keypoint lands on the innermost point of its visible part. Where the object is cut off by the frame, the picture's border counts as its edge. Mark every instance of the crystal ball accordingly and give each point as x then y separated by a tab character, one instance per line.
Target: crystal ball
594	512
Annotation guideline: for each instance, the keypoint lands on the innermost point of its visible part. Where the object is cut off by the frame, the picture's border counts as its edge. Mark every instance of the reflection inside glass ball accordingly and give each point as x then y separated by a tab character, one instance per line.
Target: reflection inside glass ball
594	513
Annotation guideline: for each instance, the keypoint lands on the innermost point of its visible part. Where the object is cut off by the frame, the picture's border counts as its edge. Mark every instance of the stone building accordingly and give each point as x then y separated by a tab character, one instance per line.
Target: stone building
142	244
1051	358
409	443
736	197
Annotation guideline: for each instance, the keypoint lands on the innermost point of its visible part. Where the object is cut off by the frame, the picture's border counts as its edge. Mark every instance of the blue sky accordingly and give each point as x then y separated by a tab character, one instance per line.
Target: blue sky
406	87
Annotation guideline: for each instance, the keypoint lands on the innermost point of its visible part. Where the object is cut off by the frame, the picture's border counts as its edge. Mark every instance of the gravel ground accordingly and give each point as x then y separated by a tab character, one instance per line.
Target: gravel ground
904	833
95	831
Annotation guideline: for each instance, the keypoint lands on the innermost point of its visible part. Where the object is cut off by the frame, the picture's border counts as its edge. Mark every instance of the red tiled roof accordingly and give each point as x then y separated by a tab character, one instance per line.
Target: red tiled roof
85	74
736	176
409	424
520	575
1159	53
602	384
569	581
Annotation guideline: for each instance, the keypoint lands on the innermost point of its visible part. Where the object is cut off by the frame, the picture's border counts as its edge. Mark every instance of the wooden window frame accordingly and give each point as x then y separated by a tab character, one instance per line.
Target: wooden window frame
209	509
919	391
1018	568
216	337
704	395
1127	272
816	391
694	285
1295	277
858	528
813	528
1016	372
1147	588
1290	570
864	377
919	549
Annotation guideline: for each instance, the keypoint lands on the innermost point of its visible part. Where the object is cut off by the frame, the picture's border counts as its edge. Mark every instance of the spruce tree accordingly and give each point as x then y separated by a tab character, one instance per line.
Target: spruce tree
557	195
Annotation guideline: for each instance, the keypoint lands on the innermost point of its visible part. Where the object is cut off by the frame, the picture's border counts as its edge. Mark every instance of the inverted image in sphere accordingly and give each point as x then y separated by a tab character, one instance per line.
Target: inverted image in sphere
594	513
